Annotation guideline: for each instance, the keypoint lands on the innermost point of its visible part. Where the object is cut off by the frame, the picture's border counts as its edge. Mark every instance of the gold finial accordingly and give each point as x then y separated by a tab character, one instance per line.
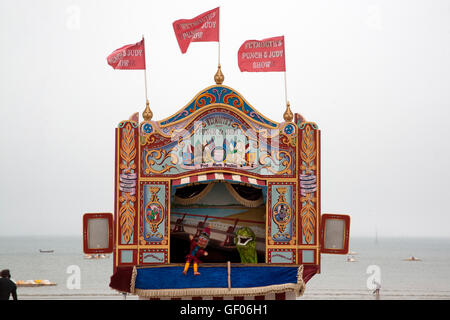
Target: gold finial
147	114
288	116
219	77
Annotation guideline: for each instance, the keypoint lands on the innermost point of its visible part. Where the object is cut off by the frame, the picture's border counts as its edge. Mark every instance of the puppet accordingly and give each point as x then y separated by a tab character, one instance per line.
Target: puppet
197	250
245	241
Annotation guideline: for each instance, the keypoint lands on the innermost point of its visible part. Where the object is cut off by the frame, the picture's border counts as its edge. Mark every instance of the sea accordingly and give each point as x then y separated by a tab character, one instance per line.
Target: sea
373	263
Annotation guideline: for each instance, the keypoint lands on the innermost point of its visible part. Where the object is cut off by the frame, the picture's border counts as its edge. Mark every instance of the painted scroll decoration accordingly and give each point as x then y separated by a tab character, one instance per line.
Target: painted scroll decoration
218	139
222	95
127	180
308	181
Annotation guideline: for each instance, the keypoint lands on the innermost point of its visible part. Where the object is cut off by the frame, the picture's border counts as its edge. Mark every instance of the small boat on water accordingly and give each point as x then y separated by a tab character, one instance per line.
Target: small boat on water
96	256
412	258
46	251
351	259
34	283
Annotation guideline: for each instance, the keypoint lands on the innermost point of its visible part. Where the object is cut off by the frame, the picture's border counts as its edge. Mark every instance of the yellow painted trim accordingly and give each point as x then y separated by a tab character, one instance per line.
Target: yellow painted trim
303	246
154	246
317	256
307	247
276	180
273	246
125	246
149	179
143	178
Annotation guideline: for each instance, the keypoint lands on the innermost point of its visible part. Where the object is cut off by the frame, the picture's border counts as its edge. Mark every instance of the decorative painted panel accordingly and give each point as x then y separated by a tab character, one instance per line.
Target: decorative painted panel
153	256
281	256
127	168
215	95
218	139
281	224
309	181
154	217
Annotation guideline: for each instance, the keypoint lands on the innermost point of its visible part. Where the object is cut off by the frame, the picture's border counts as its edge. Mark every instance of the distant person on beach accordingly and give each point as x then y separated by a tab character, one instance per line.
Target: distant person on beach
7	287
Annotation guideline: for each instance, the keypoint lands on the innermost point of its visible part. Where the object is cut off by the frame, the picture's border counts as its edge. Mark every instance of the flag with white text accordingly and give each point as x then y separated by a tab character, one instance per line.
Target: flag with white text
262	55
129	57
204	27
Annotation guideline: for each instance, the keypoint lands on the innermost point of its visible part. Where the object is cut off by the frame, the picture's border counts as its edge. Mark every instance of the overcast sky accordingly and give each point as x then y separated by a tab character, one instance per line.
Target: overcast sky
374	75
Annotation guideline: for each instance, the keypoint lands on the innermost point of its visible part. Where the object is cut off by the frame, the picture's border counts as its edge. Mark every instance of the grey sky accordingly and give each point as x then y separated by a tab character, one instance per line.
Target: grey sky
374	75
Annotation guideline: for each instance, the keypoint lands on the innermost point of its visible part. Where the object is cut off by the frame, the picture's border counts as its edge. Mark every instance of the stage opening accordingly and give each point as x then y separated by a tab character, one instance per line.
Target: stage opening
233	213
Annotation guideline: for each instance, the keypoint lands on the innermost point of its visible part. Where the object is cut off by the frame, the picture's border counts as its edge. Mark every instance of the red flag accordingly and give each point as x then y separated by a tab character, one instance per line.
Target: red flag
262	56
204	27
129	57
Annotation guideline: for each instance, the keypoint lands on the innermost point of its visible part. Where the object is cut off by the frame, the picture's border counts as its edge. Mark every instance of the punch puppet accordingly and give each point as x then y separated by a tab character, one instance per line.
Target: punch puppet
197	250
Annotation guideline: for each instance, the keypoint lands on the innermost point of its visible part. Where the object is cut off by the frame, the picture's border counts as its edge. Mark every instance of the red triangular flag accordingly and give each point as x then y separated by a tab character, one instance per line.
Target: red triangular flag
204	27
262	55
129	57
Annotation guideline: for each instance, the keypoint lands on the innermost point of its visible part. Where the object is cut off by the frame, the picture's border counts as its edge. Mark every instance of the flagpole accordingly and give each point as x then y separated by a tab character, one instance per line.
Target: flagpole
219	77
145	76
219	37
285	87
219	51
145	73
288	116
147	114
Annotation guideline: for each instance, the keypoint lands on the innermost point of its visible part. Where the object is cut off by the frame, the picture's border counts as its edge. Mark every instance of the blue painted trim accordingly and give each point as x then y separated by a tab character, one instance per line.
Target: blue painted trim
223	95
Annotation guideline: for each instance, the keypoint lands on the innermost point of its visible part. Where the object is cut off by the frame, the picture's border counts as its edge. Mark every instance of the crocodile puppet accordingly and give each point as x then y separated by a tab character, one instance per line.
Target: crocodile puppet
245	241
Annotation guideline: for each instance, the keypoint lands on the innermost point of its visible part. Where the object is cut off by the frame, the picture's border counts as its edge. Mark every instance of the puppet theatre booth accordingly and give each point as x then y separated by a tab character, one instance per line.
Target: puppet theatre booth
222	187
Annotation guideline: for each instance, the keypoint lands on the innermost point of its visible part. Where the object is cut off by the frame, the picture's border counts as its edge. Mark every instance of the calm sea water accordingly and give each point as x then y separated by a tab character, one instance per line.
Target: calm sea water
339	279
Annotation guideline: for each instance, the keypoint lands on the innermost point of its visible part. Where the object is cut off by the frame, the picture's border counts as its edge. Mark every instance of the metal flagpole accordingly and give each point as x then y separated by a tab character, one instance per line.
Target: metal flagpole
288	116
218	77
147	114
145	76
285	87
220	22
145	73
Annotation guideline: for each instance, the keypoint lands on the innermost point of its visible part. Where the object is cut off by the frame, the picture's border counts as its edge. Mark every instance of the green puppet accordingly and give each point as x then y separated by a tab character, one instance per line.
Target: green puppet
245	241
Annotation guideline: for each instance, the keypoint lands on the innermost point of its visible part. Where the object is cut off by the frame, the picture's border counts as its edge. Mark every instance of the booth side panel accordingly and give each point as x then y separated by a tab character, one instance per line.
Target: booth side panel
309	197
126	204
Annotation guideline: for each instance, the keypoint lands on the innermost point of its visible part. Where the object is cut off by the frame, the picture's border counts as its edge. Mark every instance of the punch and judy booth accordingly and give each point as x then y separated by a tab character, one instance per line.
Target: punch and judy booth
217	165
